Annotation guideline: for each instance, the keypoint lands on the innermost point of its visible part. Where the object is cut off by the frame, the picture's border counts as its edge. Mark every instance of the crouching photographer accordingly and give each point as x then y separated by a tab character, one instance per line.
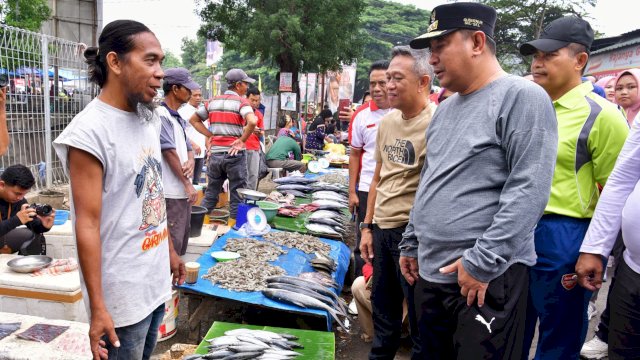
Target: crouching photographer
15	183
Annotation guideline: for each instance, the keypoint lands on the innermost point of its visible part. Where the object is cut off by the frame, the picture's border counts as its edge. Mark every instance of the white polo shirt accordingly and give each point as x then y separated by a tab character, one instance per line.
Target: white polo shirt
363	137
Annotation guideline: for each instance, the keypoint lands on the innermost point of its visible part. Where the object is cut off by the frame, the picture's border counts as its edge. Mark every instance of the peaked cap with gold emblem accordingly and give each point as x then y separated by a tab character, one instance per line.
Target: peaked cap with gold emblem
448	18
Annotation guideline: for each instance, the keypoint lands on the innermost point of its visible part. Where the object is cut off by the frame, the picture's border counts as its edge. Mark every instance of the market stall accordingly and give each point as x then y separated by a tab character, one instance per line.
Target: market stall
24	337
293	262
54	296
316	345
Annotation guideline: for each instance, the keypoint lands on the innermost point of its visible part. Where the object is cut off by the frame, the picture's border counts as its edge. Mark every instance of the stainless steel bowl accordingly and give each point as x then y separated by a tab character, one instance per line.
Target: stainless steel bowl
247	194
29	264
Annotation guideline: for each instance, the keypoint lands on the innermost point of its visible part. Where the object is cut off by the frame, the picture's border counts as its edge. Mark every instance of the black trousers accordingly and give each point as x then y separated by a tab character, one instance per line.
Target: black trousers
388	291
603	327
25	242
197	170
624	323
360	214
449	329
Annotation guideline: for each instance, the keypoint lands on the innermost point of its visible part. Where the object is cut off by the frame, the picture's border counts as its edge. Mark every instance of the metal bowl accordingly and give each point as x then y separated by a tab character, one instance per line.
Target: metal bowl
29	264
247	194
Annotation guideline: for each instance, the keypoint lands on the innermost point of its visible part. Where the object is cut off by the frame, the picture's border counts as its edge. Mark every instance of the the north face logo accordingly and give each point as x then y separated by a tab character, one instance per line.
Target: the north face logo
402	151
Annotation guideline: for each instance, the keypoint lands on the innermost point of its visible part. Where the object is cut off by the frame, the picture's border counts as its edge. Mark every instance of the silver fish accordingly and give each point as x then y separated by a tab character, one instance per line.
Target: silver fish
305	243
298	187
323	204
325	299
317	277
303	301
294	180
326	221
242	274
306	284
321	229
295	193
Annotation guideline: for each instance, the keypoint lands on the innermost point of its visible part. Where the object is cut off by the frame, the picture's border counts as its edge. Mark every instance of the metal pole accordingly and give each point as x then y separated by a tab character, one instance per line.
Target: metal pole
47	111
306	97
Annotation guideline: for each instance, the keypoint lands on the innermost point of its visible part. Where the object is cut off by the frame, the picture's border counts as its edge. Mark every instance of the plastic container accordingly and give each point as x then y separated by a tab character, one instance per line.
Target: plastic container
241	216
218	216
168	327
270	209
197	219
224	256
61	217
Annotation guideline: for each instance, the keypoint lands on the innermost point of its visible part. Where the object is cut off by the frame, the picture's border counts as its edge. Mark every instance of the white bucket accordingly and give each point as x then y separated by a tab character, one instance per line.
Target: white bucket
168	327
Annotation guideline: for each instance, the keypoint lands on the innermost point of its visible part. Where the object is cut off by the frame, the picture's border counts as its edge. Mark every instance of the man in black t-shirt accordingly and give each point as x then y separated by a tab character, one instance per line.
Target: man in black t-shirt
15	183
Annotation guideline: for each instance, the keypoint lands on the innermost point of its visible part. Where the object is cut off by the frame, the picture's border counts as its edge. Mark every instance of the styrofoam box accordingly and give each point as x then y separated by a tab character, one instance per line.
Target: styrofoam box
40	288
60	242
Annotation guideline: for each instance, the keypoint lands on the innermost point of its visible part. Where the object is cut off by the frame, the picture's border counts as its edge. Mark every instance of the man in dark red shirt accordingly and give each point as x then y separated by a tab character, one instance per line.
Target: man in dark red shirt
253	143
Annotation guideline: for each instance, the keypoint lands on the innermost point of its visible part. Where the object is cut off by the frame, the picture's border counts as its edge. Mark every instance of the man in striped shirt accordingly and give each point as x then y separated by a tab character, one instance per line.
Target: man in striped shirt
231	122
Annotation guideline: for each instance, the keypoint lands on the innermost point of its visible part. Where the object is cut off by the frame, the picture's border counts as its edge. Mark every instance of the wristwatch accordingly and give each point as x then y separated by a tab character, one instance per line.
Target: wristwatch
364	225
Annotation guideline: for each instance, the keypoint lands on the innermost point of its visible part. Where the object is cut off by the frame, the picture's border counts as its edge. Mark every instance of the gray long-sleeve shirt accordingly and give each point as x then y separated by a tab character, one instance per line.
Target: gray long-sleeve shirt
485	182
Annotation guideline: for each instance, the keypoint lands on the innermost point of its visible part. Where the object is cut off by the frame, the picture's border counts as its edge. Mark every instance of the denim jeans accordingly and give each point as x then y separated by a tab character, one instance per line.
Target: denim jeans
223	166
137	341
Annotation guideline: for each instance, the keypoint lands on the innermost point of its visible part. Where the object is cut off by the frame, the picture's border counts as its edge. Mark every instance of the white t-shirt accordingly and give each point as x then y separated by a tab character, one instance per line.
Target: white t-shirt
133	223
172	129
363	136
186	111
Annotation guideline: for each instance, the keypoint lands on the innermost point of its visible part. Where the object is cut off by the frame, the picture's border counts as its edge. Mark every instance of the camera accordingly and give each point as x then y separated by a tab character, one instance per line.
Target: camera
4	80
42	209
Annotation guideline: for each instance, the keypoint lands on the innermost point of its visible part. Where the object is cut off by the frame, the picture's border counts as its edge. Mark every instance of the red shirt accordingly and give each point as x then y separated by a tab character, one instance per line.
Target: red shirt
253	142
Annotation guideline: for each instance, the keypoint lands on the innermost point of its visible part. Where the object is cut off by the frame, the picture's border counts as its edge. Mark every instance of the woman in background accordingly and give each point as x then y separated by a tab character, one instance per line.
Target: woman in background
627	93
609	85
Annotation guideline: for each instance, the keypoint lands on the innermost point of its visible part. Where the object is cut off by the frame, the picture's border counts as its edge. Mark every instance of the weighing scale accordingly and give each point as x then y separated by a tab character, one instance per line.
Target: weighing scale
248	210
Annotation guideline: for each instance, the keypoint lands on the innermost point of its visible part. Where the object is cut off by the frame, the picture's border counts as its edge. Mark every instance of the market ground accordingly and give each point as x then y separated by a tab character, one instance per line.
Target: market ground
348	345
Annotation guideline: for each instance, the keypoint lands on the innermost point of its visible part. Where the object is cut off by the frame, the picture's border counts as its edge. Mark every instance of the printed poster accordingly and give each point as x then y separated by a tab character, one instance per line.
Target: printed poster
288	101
286	81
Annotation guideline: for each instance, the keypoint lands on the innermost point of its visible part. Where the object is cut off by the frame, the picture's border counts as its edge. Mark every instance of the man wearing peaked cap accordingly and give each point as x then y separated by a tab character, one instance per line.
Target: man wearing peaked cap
177	156
591	133
446	19
231	122
469	242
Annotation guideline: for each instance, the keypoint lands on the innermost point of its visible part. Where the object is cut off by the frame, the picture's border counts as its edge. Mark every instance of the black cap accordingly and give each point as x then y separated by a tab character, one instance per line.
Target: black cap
448	18
560	33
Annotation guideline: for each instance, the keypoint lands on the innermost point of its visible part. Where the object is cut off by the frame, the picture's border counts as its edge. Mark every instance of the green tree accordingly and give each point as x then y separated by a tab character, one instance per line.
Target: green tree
170	60
386	24
25	14
193	51
294	35
520	21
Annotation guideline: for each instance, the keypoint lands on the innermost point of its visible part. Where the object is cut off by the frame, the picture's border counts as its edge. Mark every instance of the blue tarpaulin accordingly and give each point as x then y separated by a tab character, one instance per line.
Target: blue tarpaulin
293	262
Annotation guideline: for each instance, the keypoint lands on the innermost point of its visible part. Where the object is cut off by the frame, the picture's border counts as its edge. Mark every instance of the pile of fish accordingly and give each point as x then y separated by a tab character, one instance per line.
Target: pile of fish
321	278
251	344
294	185
326	222
253	249
305	243
295	210
281	199
306	294
323	264
333	178
242	274
328	202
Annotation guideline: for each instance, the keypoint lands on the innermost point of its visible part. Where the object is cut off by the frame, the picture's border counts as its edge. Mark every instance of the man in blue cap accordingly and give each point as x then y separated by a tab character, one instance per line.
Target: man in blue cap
491	153
591	133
